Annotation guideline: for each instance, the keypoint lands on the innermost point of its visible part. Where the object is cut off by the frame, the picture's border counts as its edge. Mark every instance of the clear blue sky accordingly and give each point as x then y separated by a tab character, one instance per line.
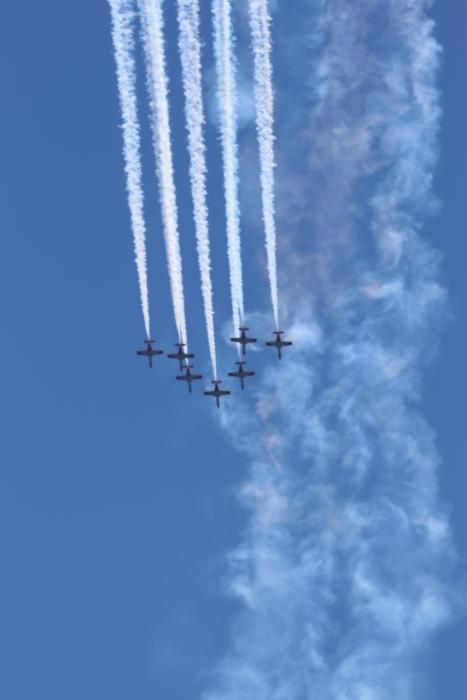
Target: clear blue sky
116	489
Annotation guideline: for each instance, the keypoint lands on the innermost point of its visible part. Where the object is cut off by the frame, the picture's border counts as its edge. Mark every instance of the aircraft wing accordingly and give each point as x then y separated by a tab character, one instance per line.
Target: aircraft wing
211	392
196	376
181	356
271	343
236	340
142	352
223	392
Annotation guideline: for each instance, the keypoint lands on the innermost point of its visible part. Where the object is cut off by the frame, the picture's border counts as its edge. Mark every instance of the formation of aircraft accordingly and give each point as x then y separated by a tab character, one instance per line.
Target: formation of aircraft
239	373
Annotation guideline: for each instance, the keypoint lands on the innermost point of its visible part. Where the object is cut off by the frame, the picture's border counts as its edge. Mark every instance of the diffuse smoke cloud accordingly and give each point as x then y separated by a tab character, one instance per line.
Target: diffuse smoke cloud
345	567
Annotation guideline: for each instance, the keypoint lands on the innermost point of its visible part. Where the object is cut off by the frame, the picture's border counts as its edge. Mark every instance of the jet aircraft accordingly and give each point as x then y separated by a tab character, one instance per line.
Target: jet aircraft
241	373
243	339
189	377
278	343
149	352
181	355
217	392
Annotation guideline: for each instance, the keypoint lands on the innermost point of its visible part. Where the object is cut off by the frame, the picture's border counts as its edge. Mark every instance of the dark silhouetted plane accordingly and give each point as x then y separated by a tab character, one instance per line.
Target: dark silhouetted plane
181	356
217	392
278	343
189	377
149	352
243	339
241	373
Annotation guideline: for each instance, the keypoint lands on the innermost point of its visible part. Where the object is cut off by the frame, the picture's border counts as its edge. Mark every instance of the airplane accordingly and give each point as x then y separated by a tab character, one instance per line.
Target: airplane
189	376
279	343
243	339
180	355
241	373
217	392
149	352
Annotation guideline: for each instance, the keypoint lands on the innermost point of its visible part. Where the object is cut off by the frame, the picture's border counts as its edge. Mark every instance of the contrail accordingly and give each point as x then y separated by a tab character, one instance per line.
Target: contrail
122	13
226	90
152	24
190	55
264	98
346	567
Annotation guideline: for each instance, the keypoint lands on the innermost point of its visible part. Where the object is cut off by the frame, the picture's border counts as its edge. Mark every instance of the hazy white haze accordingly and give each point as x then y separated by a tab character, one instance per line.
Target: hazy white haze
344	571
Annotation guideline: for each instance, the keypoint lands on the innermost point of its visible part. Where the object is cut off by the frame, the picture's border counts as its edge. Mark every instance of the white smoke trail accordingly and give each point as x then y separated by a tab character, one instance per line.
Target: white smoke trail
346	567
226	90
264	98
122	14
190	55
152	23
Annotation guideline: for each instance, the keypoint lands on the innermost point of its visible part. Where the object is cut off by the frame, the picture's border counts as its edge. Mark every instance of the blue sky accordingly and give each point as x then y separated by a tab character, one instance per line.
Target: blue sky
117	494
